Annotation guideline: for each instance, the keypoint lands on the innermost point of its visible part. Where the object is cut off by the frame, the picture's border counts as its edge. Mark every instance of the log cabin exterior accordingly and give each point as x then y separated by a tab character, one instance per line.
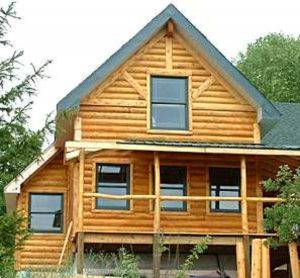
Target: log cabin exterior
165	139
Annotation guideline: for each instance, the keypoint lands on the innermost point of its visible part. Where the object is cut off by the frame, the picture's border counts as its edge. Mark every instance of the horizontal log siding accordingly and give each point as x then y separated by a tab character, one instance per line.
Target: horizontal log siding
43	250
140	219
120	112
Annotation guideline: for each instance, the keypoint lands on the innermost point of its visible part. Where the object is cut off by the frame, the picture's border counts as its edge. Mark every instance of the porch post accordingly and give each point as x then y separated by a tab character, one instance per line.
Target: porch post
156	235
80	253
266	271
259	193
240	259
80	234
244	211
80	193
294	259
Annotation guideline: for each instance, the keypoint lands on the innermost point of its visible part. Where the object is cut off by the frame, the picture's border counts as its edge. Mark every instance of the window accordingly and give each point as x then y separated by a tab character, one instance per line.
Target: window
173	183
225	182
112	179
169	103
46	212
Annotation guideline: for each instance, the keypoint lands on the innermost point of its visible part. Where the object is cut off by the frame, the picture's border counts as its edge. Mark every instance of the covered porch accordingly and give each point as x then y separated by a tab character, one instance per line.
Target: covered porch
248	158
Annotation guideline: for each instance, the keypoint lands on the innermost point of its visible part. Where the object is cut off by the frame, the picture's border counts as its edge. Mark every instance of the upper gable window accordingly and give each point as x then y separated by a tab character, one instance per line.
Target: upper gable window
169	103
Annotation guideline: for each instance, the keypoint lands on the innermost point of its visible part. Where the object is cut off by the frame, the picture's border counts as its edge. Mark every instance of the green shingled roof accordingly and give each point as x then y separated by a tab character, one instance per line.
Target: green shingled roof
286	132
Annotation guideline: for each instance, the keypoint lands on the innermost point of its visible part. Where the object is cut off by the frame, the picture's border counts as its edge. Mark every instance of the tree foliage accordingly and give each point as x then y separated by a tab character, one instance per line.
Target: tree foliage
19	145
197	250
284	217
272	64
13	233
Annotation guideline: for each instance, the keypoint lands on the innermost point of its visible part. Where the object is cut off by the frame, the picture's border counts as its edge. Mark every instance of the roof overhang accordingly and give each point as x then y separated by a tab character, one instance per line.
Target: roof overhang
73	148
12	190
268	113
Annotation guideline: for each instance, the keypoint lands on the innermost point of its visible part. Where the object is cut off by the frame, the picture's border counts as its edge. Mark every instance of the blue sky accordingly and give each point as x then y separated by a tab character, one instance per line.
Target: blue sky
79	35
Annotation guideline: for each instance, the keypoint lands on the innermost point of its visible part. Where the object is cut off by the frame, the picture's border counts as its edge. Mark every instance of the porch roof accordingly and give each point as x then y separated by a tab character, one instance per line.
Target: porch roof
73	147
197	144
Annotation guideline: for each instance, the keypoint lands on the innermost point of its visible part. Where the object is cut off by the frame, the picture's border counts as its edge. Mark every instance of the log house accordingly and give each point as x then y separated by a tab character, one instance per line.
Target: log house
167	139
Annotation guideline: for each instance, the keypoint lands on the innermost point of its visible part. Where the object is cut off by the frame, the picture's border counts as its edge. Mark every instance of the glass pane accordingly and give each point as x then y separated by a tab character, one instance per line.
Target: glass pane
224	176
172	175
112	190
169	90
213	205
112	173
173	205
229	205
45	203
172	192
225	182
46	222
173	179
169	116
110	203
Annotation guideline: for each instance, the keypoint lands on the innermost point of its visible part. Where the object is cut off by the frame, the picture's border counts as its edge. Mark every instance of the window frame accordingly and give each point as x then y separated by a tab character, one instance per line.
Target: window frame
61	231
172	74
183	104
221	211
185	188
128	207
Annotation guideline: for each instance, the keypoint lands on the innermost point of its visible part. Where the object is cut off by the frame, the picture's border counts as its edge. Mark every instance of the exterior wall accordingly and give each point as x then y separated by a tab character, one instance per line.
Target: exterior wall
43	250
118	109
197	219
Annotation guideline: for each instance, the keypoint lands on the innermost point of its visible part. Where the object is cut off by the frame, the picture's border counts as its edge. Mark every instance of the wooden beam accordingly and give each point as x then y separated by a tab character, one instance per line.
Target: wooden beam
77	129
170	28
65	244
294	260
265	199
156	227
247	254
80	193
156	255
256	133
266	264
244	195
259	194
256	258
157	193
169	55
80	253
135	85
114	145
203	87
182	198
120	197
240	259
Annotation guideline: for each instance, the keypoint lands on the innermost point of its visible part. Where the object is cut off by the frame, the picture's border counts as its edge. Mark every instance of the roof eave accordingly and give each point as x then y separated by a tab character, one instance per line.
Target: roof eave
12	189
196	39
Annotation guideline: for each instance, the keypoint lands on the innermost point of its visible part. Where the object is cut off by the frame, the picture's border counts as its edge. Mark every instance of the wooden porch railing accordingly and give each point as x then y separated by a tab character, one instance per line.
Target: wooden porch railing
244	247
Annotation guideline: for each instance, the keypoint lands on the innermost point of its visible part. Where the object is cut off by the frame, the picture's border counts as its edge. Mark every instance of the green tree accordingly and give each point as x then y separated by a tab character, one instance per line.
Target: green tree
284	217
19	144
272	64
13	233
